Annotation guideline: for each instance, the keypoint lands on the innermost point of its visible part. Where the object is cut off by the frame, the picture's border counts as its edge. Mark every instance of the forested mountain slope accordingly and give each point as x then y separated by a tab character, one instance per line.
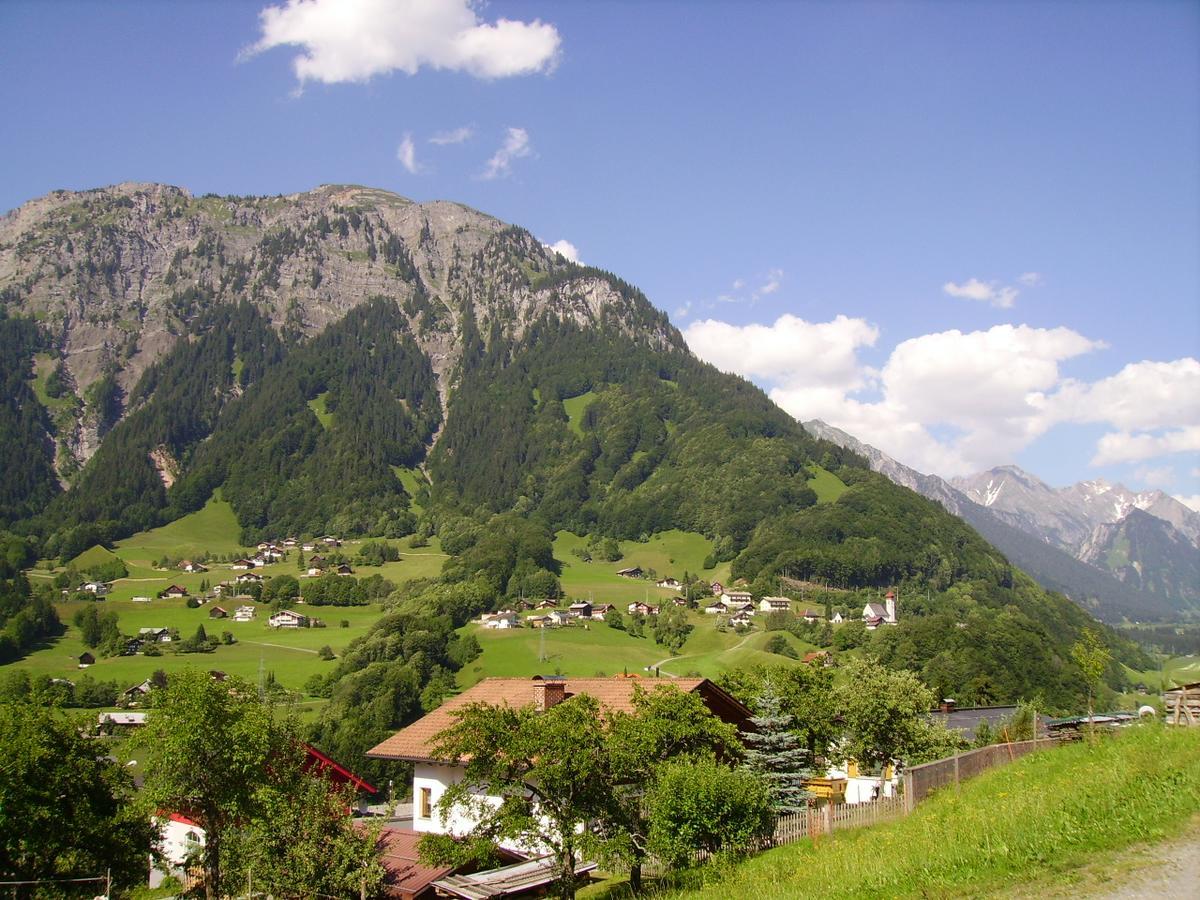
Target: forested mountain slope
311	355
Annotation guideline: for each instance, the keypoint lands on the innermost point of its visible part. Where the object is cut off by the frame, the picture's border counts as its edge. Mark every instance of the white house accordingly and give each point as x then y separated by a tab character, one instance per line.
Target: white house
716	608
243	614
432	776
864	788
837	618
731	597
669	583
288	618
249	578
775	604
241	564
157	635
186	565
99	588
502	620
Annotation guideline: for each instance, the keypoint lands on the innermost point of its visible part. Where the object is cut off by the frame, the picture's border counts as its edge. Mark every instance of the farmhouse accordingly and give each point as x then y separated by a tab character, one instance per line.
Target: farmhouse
837	618
288	618
599	612
502	620
218	612
186	565
431	776
155	635
249	578
631	572
132	696
99	588
538	621
775	604
546	604
642	609
174	591
86	659
240	564
669	583
582	609
243	614
343	569
717	588
715	608
730	597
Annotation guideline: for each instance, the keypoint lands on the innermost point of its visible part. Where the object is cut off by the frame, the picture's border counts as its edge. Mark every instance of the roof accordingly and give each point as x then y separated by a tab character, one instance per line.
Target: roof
507	881
416	741
966	719
317	762
876	609
406	875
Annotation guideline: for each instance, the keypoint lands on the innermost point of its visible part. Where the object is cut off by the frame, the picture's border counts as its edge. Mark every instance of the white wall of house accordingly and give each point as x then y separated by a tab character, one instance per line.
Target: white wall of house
435	779
177	840
865	788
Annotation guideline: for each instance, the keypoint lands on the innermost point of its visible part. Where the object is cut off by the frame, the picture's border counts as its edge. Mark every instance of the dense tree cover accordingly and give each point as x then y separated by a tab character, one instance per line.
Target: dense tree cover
284	472
27	478
68	807
397	671
337	590
666	442
18	686
513	555
805	693
26	617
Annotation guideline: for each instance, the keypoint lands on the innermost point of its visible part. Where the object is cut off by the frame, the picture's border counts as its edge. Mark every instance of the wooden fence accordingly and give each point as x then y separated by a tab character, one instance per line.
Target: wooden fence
919	781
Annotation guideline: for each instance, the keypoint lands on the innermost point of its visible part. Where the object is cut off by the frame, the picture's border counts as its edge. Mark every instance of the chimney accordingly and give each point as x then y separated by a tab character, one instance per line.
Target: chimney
548	691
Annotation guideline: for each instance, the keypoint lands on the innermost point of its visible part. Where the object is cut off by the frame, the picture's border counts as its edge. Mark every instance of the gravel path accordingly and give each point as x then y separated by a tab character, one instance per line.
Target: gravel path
1175	875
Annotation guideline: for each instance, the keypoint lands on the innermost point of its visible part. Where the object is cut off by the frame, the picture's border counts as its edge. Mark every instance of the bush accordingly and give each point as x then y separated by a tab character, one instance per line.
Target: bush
778	644
326	652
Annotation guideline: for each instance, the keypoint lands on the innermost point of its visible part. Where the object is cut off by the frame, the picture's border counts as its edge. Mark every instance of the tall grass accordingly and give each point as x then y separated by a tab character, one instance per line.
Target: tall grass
1037	818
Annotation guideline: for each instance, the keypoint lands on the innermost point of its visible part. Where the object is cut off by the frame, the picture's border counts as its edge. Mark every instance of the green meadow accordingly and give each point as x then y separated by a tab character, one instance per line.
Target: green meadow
828	487
574	407
668	553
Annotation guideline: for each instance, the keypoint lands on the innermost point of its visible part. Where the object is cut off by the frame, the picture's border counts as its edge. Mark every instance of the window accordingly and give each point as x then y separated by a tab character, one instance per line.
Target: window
426	808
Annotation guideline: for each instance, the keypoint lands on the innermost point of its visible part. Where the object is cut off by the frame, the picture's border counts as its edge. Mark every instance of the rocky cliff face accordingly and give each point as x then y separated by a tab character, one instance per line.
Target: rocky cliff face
1148	552
116	275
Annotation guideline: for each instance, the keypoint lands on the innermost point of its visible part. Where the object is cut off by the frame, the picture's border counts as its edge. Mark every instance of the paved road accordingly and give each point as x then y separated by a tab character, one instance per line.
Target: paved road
1175	875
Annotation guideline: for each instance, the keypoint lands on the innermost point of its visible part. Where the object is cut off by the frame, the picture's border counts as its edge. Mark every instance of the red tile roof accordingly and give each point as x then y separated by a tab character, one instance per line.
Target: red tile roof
416	741
407	876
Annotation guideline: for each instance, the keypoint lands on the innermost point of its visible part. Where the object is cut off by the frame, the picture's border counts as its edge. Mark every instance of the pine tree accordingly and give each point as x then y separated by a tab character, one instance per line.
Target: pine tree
773	752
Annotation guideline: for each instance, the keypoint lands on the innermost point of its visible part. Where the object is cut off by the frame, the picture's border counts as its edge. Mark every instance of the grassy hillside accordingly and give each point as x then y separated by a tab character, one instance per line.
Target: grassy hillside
827	486
669	554
212	529
1036	820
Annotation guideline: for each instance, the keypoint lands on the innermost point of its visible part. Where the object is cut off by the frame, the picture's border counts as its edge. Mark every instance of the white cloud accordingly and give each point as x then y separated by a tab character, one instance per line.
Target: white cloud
1122	446
810	356
355	40
407	154
1030	279
1192	502
565	248
1142	396
772	283
516	146
1002	296
454	136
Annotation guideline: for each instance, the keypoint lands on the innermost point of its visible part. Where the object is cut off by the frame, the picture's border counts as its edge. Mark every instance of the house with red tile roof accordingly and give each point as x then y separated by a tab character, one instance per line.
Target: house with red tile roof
432	776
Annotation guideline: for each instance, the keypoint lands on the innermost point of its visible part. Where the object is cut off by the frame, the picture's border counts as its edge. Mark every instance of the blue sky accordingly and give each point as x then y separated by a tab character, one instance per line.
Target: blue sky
967	233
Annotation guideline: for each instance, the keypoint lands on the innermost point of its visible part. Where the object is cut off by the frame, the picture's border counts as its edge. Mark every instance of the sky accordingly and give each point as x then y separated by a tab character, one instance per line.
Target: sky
965	233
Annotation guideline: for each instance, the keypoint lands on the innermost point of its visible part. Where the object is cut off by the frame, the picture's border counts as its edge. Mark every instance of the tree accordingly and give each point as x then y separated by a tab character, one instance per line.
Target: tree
551	770
1092	656
301	842
68	807
703	804
806	694
208	744
885	716
665	724
774	754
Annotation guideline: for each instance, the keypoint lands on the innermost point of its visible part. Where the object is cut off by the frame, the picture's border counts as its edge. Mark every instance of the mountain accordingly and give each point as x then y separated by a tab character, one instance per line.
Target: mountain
348	360
1053	568
1144	550
1067	517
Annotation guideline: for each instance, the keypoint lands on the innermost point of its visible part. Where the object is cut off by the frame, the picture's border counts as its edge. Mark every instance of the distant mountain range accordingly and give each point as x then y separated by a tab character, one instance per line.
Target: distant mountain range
1120	553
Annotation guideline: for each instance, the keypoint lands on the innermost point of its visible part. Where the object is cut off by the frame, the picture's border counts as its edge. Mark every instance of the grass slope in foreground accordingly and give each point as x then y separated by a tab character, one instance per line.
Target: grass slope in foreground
1035	821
